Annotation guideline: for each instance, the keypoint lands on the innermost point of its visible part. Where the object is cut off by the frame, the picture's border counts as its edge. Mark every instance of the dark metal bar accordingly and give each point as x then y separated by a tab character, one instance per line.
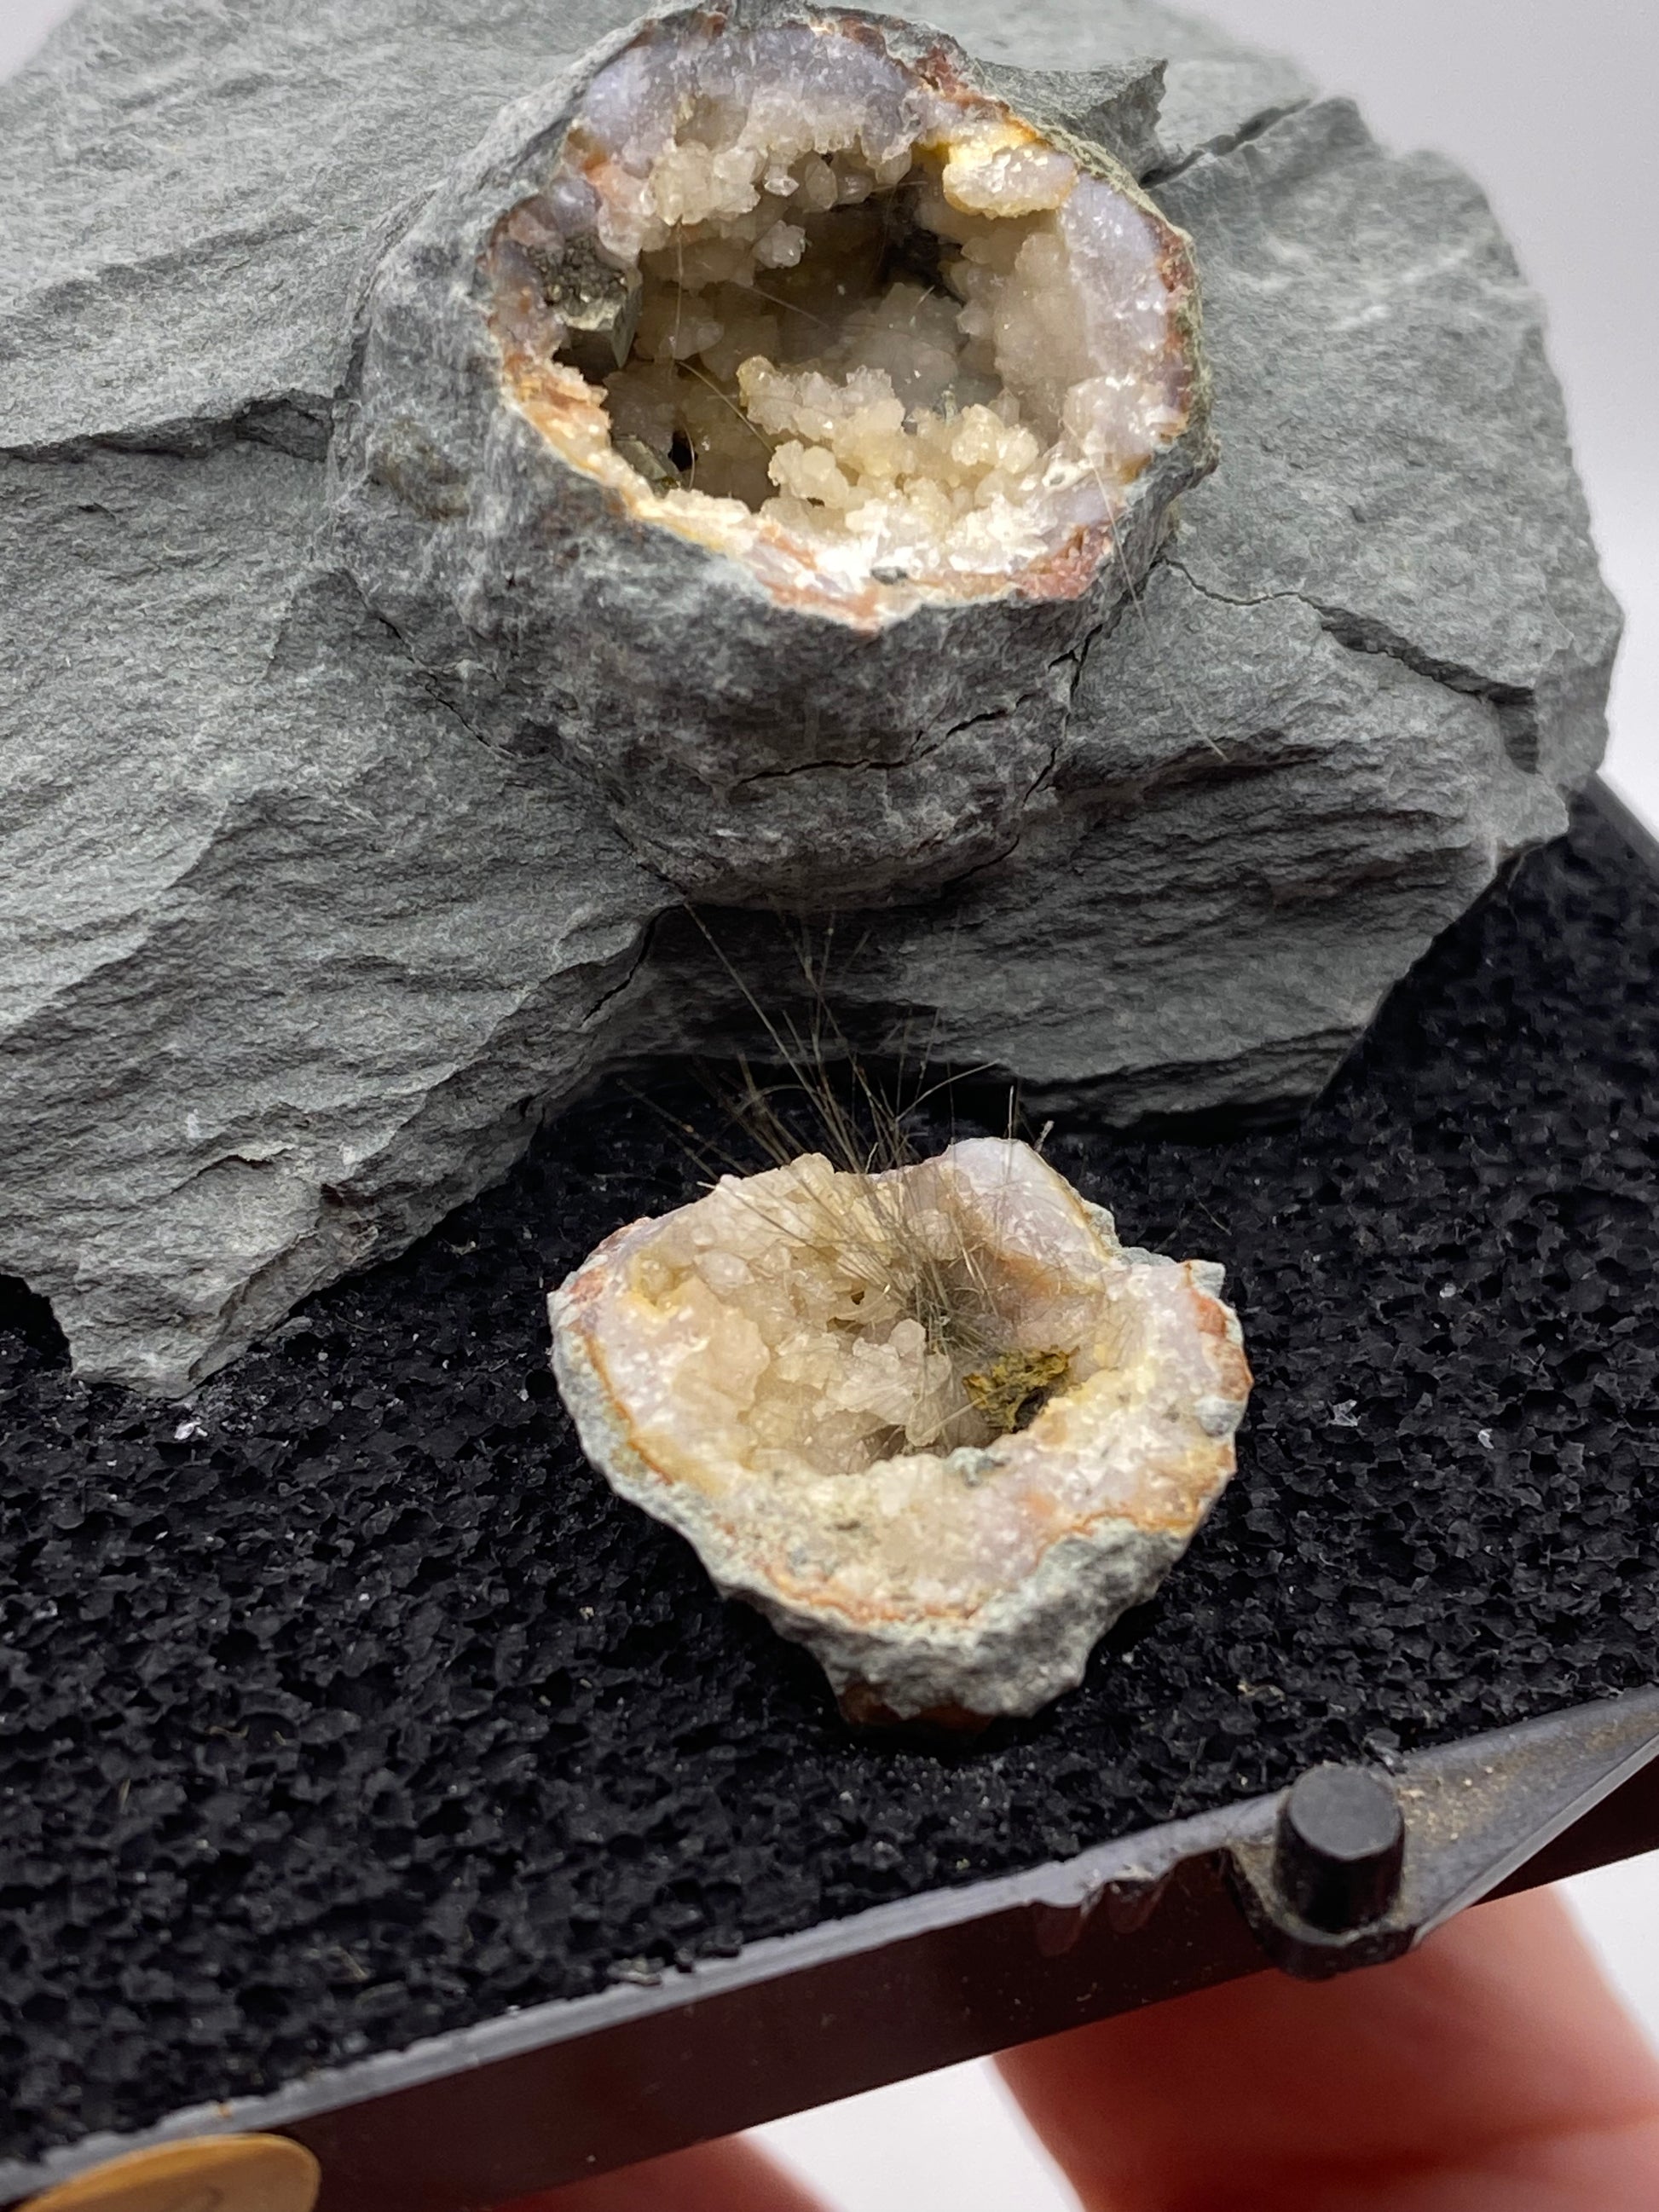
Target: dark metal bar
575	2089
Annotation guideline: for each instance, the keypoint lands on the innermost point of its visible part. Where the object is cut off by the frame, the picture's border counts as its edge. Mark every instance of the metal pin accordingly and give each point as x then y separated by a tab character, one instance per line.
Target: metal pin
1341	1848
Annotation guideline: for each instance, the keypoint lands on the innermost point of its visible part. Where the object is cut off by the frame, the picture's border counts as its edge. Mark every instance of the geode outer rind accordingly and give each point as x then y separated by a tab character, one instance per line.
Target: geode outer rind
732	733
1093	1501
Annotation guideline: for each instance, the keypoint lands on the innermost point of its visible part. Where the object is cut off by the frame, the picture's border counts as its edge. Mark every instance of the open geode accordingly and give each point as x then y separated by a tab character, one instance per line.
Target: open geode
938	1424
772	397
856	325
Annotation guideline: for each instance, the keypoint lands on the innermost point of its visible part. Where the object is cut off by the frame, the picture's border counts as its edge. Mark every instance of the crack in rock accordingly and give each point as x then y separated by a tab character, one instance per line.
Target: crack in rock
1226	142
1516	706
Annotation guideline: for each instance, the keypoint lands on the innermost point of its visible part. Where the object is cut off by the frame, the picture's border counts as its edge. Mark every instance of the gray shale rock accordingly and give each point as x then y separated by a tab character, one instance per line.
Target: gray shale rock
294	959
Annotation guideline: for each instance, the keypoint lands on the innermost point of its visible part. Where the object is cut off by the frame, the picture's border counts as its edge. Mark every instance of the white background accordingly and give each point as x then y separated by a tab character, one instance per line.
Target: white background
1551	103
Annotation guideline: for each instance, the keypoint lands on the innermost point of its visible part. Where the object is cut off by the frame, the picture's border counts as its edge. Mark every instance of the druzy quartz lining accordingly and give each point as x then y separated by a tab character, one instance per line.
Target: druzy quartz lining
936	1422
848	320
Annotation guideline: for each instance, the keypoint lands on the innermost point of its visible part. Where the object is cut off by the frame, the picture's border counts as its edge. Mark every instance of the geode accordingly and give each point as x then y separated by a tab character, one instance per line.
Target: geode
344	832
938	1424
769	398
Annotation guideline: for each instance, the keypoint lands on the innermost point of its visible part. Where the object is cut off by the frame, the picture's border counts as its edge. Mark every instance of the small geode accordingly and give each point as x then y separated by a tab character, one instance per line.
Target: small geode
772	397
938	1424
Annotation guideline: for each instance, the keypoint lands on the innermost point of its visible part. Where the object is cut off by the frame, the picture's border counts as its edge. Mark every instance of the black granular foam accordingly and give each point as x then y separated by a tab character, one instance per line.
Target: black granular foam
345	1705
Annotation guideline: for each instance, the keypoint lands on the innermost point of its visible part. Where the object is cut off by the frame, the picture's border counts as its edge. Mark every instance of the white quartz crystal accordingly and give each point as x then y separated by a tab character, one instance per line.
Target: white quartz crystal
866	330
937	1422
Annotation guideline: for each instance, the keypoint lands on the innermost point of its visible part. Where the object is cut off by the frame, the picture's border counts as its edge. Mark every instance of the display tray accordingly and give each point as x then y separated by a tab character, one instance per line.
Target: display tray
344	1706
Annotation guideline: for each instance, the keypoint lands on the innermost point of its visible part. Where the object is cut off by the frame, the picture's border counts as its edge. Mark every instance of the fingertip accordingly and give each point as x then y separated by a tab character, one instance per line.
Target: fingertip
1498	2031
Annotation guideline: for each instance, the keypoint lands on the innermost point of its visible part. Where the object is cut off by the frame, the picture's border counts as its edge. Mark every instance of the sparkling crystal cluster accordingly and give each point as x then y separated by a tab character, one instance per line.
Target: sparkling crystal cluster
937	1422
848	320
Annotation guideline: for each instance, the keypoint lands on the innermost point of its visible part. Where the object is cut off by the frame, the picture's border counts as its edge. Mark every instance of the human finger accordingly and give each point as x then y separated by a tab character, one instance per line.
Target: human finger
1490	2070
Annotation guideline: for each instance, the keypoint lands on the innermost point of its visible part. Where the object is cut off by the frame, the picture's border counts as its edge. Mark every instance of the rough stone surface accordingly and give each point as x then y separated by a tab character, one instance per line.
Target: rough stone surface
778	1372
293	960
